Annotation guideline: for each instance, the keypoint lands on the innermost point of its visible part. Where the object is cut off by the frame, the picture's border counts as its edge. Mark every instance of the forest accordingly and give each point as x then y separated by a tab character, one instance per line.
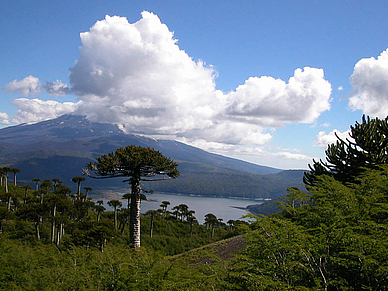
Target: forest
331	237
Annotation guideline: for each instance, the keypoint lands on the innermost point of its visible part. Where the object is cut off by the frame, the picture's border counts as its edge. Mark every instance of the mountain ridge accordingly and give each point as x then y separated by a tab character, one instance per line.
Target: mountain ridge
48	148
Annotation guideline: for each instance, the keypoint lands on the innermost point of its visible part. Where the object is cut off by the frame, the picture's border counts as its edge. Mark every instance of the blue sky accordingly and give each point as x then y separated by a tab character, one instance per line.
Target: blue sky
264	81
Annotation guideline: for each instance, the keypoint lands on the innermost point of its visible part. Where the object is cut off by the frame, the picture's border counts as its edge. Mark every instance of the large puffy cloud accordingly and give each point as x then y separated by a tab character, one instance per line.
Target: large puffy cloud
30	85
323	139
269	101
370	83
136	75
34	110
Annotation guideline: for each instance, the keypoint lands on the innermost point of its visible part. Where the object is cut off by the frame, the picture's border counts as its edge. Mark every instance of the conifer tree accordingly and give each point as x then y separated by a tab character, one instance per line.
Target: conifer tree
366	148
138	164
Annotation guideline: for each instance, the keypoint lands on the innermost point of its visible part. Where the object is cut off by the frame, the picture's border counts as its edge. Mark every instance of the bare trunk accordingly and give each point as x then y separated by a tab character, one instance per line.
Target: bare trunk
6	183
152	225
115	218
9	203
53	224
14	179
37	230
59	233
58	236
134	224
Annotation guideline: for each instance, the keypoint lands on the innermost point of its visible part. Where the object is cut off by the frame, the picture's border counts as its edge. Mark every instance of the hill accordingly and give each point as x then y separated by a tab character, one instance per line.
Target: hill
61	147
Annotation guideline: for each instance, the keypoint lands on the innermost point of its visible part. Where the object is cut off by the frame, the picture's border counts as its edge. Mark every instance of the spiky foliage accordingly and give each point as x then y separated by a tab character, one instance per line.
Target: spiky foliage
139	164
366	148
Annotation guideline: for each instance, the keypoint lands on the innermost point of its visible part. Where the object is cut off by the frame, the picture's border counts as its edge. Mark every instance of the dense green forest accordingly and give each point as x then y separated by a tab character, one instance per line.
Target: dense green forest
332	237
53	239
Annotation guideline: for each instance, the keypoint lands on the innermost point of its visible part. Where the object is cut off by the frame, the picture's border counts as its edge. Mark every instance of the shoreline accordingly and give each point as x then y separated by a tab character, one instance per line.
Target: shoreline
114	194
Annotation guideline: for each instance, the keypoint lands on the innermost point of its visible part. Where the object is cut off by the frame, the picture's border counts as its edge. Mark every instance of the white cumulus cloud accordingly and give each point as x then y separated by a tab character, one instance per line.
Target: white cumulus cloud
370	83
56	88
268	101
135	75
35	110
4	118
30	85
323	139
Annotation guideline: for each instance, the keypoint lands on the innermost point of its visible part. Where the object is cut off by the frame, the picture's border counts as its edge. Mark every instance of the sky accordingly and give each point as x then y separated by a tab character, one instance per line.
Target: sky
268	82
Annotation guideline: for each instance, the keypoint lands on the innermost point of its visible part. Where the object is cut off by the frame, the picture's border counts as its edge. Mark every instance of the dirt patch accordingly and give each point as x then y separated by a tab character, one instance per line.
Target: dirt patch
223	250
227	249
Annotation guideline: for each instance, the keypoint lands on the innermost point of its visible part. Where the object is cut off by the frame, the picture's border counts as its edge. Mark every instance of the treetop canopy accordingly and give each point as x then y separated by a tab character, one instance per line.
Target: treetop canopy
134	160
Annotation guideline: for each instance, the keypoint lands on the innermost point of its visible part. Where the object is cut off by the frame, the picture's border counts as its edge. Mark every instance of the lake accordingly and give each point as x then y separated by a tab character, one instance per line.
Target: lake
225	208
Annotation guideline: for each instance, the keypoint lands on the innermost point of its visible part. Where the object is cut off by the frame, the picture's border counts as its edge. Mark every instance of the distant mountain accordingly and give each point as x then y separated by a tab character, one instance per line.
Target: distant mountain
61	147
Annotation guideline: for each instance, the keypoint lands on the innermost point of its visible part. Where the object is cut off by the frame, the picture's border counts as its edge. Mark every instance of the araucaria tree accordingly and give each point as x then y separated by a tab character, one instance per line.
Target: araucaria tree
139	164
366	148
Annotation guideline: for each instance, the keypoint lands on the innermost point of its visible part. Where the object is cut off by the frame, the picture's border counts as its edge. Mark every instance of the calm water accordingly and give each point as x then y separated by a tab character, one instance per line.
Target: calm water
225	208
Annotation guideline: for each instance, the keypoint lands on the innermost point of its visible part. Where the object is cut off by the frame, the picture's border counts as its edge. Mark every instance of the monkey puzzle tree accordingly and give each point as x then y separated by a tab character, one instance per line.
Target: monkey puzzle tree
139	164
5	172
37	181
164	206
115	204
366	148
78	180
14	171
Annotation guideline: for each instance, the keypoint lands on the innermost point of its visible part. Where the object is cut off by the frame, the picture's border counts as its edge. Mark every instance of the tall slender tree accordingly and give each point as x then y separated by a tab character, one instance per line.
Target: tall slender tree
5	172
14	171
36	181
138	164
151	214
164	206
78	180
115	204
99	208
87	190
56	183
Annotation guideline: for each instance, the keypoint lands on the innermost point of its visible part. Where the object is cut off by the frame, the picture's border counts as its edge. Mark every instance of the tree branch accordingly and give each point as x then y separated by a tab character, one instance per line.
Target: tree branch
161	179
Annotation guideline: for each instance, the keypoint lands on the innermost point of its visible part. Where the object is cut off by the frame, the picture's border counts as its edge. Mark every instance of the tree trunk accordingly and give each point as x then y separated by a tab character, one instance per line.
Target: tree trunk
151	225
59	233
37	230
6	183
134	224
9	203
115	218
14	179
53	224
